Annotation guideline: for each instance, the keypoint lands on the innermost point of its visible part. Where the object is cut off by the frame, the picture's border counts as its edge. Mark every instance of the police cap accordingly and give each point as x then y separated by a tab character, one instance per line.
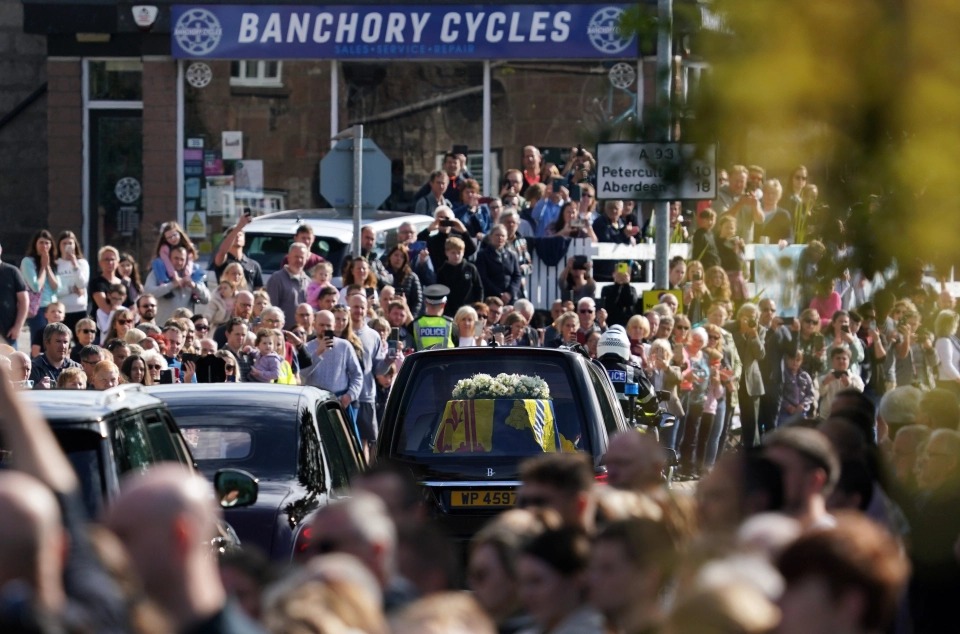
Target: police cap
436	294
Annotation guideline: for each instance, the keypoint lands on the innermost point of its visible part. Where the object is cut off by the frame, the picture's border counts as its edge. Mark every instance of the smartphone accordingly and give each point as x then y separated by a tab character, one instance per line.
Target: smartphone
478	329
189	356
247	212
838	373
845	328
394	334
817	341
580	151
697	277
556	184
328	334
166	376
575	193
446	223
579	261
752	323
788	321
623	267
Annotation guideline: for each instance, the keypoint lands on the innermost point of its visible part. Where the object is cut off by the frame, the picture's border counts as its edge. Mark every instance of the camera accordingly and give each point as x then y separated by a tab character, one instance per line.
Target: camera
752	323
498	329
446	223
697	277
838	373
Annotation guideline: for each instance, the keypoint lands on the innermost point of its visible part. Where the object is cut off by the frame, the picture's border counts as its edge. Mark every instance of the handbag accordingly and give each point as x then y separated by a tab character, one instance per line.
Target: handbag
34	306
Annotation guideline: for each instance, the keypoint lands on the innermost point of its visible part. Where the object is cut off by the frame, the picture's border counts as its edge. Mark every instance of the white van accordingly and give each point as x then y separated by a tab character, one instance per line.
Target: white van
268	237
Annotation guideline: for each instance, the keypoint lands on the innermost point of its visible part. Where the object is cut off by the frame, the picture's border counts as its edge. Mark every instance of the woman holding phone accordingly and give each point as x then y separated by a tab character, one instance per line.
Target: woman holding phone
74	273
42	280
470	330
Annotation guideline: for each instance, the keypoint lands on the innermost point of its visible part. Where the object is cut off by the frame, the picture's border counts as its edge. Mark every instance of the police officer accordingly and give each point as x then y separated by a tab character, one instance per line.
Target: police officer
613	352
433	328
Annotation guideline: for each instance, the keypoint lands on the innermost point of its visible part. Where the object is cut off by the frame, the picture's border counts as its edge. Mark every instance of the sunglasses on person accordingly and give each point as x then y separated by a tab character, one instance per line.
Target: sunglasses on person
88	331
202	328
155	366
586	311
681	327
124	322
812	322
230	368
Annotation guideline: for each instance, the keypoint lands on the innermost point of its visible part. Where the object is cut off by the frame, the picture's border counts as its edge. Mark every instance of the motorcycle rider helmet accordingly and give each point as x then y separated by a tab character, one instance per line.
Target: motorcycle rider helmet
614	342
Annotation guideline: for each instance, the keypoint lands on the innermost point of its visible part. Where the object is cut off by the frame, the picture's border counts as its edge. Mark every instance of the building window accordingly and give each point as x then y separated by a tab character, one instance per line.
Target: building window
694	77
115	80
256	73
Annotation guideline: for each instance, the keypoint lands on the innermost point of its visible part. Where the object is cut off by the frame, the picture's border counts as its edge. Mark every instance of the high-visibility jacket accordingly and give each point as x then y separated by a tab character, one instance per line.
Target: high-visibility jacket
432	330
287	377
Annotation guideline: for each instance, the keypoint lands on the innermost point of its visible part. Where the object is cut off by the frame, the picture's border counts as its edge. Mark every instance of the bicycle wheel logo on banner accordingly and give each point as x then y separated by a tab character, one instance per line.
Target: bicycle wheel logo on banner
604	31
198	32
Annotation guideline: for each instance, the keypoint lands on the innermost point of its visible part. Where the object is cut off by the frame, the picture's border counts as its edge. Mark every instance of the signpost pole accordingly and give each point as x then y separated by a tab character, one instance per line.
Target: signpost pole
487	176
662	209
334	101
357	185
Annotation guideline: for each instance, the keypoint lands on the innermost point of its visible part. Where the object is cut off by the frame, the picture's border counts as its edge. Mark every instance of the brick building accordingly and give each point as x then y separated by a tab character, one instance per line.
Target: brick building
23	130
136	126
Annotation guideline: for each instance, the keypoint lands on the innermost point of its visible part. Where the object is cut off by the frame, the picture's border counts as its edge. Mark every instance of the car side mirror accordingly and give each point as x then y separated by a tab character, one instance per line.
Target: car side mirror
235	488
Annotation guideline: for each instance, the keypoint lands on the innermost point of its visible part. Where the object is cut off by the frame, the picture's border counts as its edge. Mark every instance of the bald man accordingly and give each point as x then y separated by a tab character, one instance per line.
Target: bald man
242	308
166	518
32	540
43	535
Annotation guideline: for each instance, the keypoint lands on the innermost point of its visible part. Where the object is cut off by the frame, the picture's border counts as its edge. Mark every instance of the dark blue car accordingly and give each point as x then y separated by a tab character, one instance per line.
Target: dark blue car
295	440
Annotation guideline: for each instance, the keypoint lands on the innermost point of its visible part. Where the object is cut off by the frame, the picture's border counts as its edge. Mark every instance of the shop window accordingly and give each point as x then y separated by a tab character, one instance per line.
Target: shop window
256	73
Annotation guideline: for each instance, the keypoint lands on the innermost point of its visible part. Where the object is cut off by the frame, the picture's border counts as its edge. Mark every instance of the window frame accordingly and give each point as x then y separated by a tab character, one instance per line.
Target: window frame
260	79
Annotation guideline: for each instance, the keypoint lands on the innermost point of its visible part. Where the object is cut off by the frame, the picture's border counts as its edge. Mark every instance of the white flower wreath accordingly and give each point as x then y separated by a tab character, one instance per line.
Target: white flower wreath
501	386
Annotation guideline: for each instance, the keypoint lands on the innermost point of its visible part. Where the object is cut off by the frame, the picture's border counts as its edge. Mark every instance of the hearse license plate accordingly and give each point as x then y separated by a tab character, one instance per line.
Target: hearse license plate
482	498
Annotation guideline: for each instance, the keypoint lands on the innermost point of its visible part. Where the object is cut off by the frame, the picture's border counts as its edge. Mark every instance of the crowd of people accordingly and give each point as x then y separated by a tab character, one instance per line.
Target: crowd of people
818	531
848	410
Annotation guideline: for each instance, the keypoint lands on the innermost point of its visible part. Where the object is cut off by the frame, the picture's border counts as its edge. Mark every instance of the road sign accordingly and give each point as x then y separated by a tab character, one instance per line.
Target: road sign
336	175
656	171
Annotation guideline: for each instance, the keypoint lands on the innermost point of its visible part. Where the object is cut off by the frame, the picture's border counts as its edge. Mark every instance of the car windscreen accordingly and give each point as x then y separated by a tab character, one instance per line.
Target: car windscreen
269	249
83	449
433	425
261	440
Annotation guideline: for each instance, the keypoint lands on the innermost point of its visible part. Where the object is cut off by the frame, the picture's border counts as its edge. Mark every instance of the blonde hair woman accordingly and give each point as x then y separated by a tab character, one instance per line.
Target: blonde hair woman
566	326
466	322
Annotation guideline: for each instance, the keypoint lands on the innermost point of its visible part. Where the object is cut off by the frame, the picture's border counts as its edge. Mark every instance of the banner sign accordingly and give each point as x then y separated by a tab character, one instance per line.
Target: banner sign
467	31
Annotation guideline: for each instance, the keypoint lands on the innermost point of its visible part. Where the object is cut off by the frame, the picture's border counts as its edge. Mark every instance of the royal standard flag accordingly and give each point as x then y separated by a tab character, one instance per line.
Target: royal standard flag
504	426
